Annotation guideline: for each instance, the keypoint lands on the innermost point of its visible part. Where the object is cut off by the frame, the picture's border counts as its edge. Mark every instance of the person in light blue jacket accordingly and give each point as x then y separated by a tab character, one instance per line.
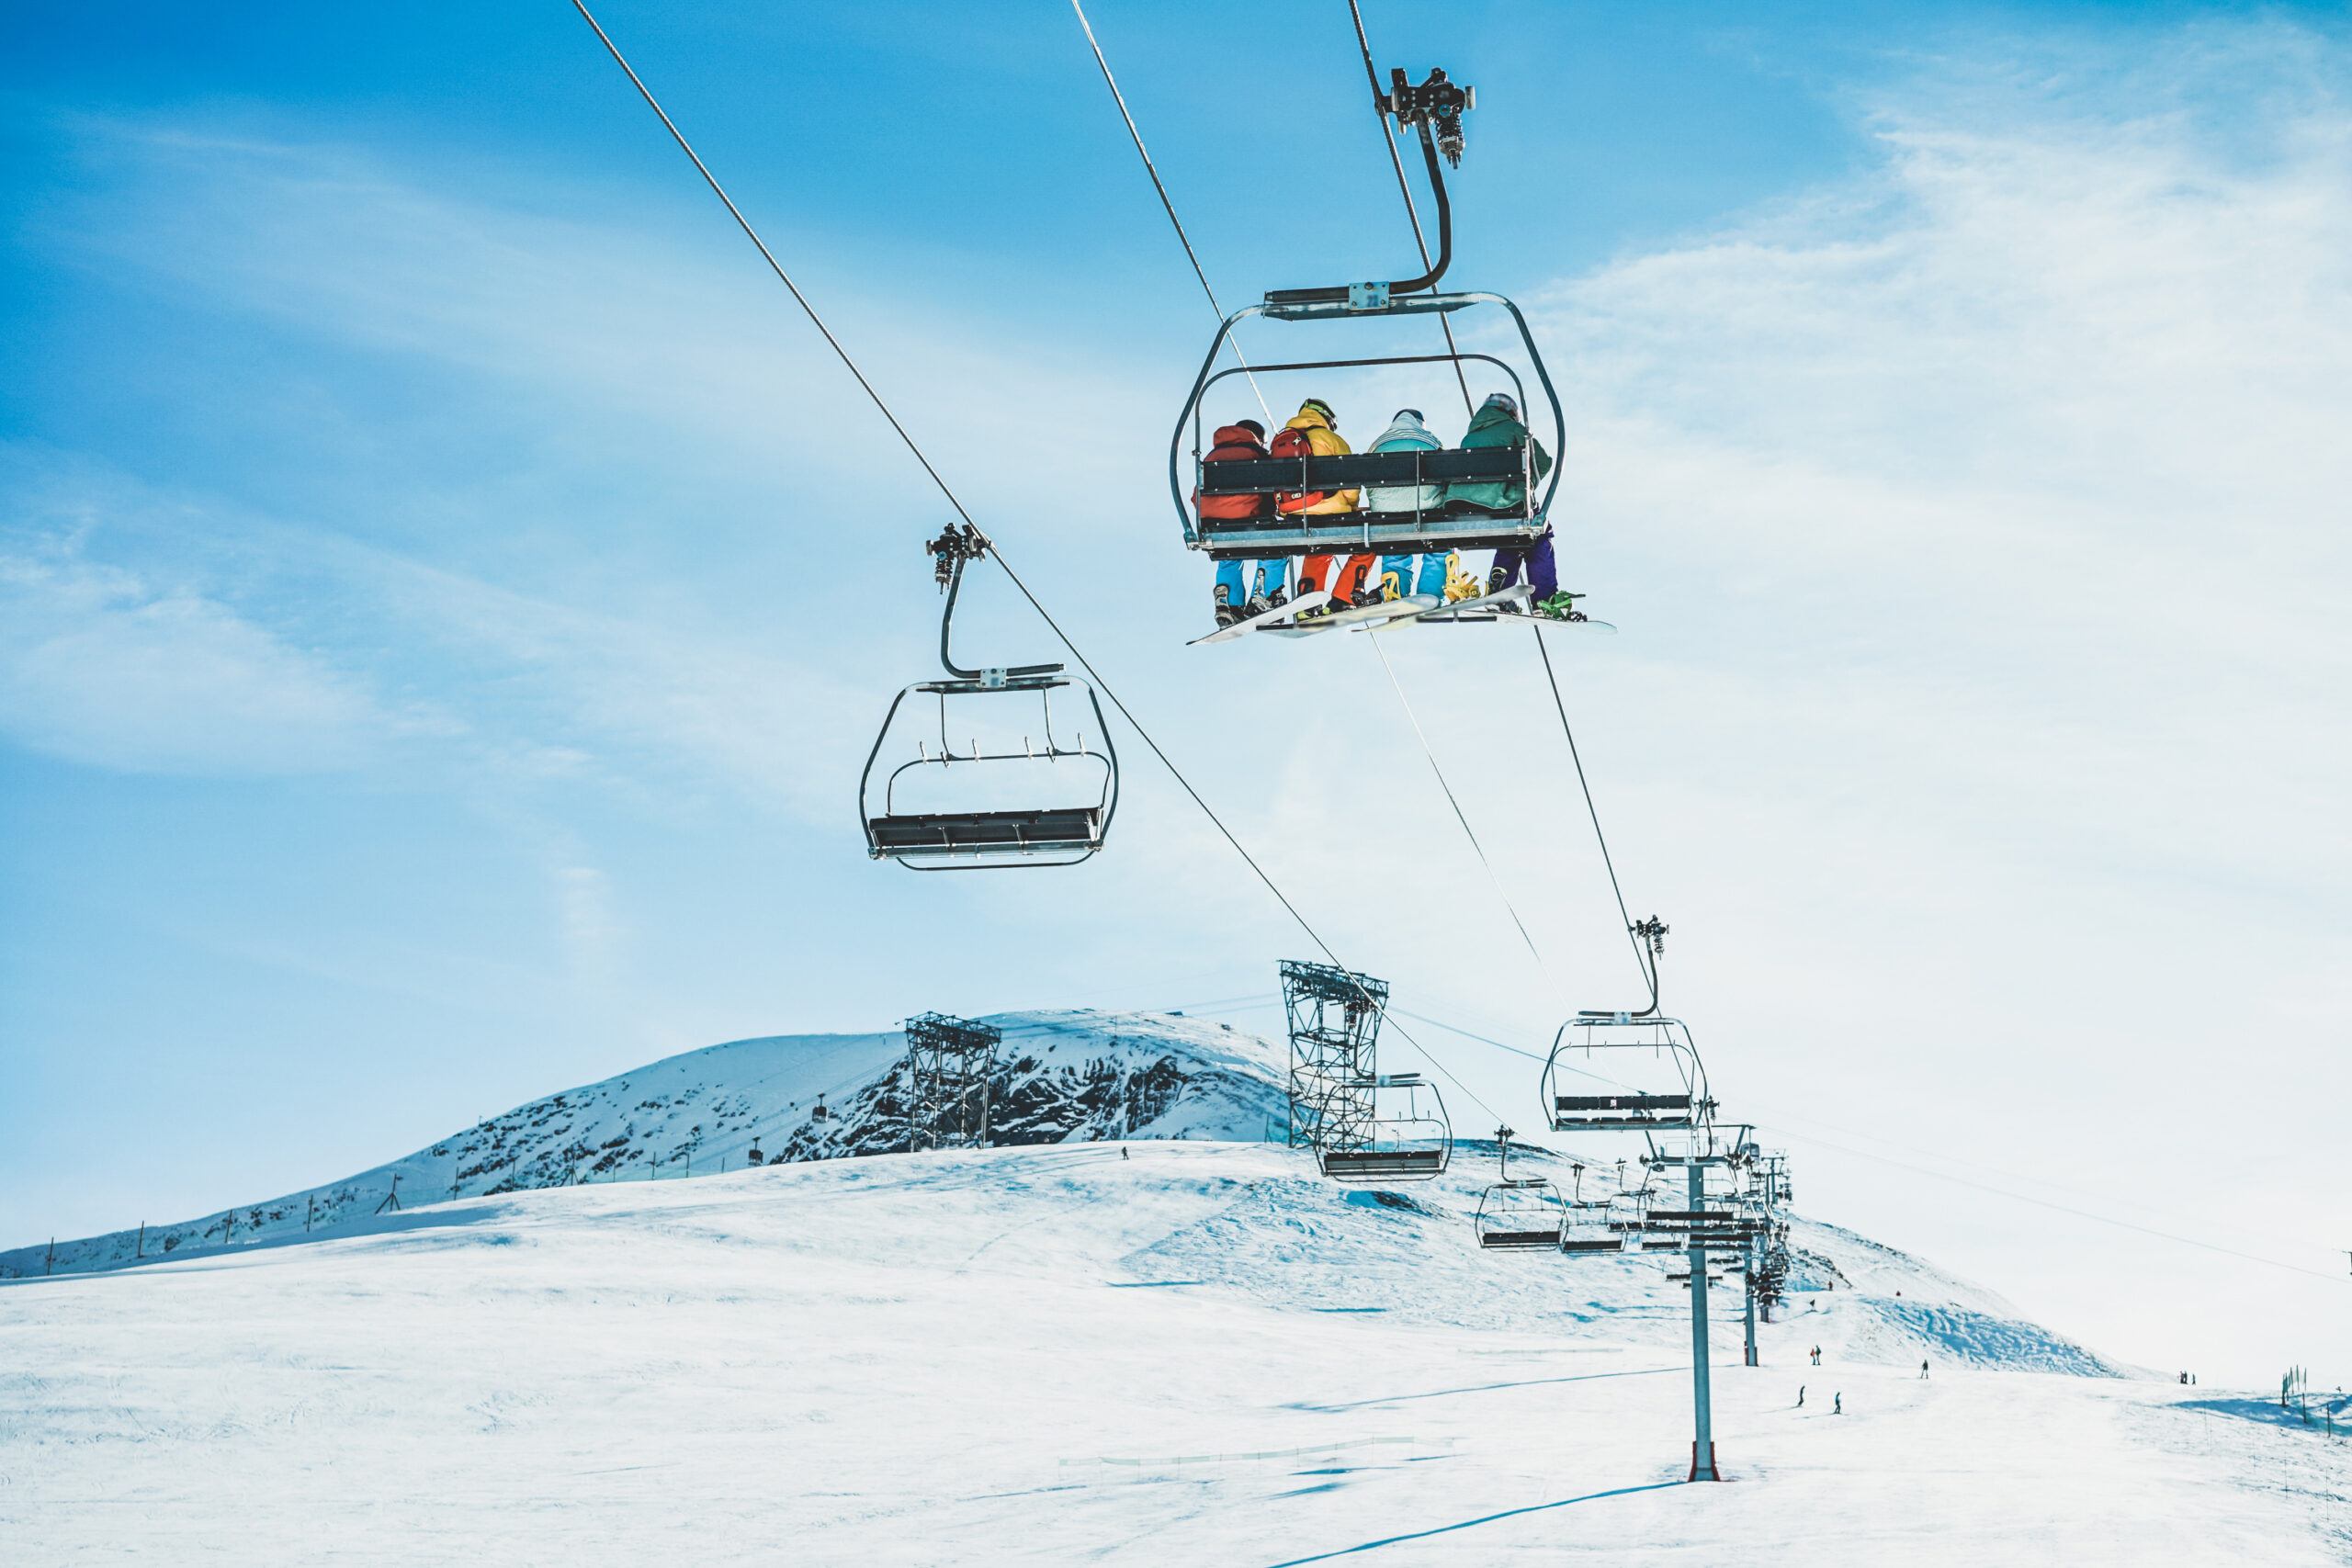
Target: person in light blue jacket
1406	433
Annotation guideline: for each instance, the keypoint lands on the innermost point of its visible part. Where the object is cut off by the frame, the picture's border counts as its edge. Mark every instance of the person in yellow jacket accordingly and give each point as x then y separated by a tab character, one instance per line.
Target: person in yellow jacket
1317	432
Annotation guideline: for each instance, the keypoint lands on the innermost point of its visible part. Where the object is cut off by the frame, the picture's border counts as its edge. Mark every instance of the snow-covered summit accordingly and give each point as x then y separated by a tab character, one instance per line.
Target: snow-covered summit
1064	1075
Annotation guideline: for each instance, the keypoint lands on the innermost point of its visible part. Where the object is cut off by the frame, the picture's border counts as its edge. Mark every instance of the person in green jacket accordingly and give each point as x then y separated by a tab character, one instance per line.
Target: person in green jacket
1497	424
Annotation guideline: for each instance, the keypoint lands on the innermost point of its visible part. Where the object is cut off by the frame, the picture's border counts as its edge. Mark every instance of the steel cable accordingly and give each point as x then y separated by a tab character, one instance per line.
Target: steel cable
1414	719
1641	955
1405	189
1121	99
778	267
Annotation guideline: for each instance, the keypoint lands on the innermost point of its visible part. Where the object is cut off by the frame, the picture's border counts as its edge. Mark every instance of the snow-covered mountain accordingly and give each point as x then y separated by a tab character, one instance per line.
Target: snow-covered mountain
1062	1077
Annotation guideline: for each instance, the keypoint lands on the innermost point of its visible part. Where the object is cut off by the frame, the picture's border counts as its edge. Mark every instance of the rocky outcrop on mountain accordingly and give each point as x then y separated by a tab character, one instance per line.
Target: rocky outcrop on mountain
1063	1084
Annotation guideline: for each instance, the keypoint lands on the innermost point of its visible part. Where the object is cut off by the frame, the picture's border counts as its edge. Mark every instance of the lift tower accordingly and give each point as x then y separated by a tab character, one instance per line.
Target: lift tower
1334	1016
949	1063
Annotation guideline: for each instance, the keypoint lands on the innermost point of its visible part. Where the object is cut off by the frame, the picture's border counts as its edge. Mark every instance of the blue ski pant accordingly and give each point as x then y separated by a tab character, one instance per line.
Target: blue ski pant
1269	578
1432	581
1543	572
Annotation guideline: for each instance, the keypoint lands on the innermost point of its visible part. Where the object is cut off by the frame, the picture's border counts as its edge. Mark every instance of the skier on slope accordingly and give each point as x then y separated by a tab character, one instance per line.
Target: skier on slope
1497	424
1239	442
1408	433
1315	432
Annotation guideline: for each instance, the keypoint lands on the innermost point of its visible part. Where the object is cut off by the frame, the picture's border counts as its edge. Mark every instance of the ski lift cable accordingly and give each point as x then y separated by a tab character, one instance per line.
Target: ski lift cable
1405	189
752	235
1414	719
1148	167
1174	772
778	267
1640	957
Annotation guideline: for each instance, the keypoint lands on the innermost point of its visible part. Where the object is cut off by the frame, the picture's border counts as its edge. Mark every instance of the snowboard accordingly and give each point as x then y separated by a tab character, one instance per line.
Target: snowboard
1358	618
1438	613
1263	622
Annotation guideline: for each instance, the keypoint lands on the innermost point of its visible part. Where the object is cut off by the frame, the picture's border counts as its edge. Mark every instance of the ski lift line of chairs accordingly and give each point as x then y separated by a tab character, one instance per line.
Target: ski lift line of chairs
1411	1147
979	840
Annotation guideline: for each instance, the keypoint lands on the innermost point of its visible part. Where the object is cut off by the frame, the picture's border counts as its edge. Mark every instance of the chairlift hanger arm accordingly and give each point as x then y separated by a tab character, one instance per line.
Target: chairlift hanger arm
949	553
1436	109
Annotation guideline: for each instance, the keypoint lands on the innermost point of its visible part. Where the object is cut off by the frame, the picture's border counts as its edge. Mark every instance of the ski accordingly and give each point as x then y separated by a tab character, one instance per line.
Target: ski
1263	622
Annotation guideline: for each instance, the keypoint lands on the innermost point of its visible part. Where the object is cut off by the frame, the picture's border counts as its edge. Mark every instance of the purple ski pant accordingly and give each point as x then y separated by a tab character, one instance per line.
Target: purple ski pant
1543	573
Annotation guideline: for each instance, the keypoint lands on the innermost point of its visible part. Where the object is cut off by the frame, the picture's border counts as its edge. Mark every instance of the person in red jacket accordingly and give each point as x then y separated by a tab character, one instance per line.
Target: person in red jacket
1236	443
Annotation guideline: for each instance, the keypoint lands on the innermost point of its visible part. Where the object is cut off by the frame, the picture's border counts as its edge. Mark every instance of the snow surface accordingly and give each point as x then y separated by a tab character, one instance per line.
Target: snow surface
1039	1354
1136	1336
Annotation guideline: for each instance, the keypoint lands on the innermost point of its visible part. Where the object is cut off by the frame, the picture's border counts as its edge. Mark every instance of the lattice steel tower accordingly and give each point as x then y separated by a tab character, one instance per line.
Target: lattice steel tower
949	1061
1334	1027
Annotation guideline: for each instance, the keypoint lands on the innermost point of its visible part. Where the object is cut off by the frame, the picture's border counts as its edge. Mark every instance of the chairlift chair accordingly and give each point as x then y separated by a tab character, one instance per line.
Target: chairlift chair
1411	1147
1687	1108
1520	1214
1435	107
1059	834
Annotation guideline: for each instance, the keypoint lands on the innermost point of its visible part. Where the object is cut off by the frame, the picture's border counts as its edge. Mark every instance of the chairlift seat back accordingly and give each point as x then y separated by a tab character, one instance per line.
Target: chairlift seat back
1356	471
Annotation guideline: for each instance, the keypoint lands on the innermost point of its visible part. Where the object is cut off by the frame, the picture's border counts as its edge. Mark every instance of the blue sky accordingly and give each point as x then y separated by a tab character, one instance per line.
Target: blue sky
450	590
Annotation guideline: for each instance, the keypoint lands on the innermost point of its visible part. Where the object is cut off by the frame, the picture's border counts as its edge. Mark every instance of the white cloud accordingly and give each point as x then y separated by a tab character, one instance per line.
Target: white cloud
100	666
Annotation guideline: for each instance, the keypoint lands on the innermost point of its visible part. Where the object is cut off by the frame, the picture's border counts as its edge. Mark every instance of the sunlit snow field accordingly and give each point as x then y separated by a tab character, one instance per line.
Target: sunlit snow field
1035	1354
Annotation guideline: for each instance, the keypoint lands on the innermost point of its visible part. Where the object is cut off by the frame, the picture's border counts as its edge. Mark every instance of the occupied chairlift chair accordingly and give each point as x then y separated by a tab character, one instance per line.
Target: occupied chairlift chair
1411	1147
1520	1214
1434	106
979	840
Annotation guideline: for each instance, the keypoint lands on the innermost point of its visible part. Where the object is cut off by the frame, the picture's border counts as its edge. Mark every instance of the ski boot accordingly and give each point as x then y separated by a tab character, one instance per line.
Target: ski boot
1392	588
1226	612
1561	607
1255	606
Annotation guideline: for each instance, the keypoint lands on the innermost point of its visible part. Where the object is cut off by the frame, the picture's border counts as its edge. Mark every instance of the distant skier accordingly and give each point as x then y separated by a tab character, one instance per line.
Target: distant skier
1817	1355
1923	1372
1123	1151
1800	1396
1837	1404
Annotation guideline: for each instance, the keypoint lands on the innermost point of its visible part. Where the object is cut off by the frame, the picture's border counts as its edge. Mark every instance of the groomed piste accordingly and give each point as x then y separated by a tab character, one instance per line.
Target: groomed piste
1103	1349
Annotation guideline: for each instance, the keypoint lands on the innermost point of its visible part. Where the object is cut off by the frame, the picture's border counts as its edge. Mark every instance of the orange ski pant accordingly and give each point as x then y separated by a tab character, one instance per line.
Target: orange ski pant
1317	573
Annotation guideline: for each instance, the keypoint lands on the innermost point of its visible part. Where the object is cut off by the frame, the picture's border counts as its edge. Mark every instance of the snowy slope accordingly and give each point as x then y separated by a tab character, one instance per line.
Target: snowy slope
1168	1351
1064	1075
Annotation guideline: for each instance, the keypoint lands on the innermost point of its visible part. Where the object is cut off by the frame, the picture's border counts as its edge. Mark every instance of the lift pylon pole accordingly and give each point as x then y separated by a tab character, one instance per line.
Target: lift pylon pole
1702	1444
1748	1278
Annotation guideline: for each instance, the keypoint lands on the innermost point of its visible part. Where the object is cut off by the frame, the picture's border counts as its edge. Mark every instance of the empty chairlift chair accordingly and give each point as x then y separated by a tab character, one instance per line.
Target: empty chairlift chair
1085	777
1621	1040
1414	1146
1522	1214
